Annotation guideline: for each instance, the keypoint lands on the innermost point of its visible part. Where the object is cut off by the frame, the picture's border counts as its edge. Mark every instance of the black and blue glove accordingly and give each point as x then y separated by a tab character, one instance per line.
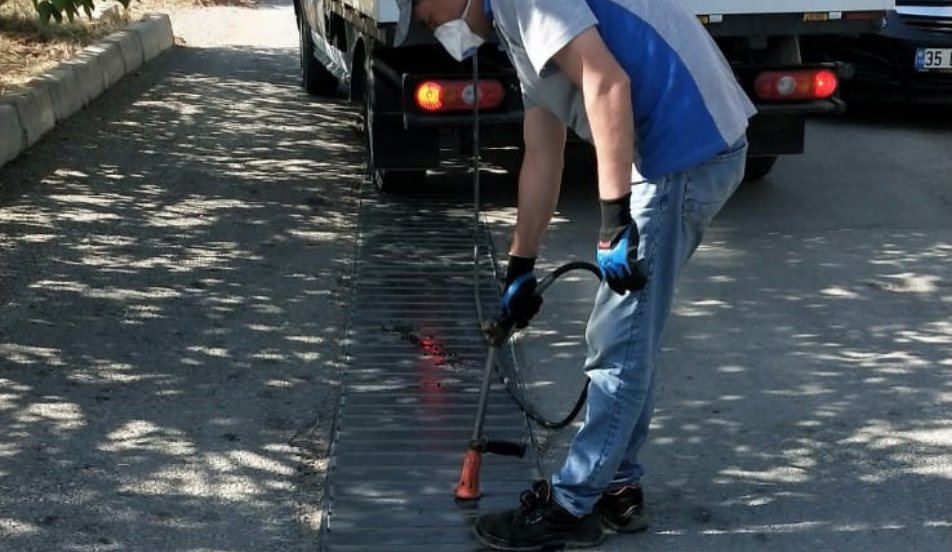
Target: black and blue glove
520	302
617	253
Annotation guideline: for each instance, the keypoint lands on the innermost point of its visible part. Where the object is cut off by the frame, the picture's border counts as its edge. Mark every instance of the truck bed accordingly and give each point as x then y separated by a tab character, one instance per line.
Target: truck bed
736	7
385	11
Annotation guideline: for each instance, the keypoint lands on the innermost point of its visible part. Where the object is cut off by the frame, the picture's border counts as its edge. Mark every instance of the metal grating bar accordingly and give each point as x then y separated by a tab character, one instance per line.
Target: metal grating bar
410	384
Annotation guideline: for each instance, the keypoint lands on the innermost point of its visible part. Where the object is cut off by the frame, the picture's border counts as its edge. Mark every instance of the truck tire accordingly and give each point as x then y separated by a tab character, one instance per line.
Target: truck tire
394	181
386	180
315	78
759	167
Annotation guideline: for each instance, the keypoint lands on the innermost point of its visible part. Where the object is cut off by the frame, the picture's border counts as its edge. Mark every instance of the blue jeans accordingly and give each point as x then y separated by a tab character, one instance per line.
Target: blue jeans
624	331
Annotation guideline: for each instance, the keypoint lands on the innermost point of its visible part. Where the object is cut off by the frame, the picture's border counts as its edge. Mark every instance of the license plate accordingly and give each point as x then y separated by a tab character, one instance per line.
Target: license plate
934	59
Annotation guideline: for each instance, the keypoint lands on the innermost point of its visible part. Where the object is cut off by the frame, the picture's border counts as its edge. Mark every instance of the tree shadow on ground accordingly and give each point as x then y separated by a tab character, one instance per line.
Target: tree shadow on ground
173	269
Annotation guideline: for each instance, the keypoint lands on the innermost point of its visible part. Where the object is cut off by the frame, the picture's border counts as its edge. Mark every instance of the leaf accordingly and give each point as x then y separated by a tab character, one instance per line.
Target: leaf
45	11
88	7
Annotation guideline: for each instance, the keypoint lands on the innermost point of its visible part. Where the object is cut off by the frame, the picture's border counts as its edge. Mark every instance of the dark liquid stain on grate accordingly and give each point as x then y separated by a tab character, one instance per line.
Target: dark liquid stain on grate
410	383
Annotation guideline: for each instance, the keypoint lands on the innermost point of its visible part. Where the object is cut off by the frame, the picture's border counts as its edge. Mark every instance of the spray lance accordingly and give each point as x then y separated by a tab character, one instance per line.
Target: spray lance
496	332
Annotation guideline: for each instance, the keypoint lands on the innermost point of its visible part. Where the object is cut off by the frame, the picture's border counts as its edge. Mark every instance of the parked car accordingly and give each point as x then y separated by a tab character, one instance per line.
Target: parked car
909	60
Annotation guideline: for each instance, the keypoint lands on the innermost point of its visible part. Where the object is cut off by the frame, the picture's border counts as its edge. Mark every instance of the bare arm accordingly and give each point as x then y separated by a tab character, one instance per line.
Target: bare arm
606	90
539	179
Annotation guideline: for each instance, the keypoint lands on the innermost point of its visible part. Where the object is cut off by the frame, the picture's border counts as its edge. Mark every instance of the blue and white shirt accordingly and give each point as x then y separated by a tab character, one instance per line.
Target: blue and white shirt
687	103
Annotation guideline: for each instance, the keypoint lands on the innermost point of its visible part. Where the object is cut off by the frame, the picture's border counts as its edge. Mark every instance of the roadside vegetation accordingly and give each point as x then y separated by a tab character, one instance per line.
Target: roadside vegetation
33	40
30	45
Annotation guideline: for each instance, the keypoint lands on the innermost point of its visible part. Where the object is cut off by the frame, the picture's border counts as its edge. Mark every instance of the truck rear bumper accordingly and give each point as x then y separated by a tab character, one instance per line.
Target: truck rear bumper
462	120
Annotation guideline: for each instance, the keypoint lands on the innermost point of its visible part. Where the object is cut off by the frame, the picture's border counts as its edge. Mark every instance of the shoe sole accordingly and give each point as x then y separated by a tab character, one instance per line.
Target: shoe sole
633	525
492	543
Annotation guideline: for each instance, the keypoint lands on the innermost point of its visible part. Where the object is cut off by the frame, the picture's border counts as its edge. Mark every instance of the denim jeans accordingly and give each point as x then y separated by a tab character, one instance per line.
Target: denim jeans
624	331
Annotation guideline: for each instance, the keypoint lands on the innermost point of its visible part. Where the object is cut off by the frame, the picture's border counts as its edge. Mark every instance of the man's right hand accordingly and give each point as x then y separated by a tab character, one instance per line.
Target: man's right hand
520	302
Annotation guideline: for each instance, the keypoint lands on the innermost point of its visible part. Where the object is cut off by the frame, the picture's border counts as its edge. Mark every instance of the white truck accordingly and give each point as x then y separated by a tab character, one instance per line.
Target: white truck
415	94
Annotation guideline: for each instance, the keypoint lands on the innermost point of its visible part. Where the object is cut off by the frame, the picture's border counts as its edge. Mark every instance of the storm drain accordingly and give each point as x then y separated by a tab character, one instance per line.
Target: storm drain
409	386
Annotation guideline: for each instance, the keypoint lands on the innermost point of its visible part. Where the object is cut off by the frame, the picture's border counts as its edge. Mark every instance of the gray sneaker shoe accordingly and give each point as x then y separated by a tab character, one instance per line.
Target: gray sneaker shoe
623	509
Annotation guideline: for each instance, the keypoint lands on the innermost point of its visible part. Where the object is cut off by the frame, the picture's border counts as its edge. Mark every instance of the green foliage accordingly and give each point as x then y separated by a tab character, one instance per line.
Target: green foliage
56	9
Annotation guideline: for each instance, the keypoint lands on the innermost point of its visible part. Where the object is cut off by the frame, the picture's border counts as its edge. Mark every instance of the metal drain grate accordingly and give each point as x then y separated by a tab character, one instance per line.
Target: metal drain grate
410	383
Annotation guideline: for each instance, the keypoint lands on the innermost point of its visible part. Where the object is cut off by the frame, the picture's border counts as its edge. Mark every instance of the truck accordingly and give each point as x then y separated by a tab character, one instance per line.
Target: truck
413	97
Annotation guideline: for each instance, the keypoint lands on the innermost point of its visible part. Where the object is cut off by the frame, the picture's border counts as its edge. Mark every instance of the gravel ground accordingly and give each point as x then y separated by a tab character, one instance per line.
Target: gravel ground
174	266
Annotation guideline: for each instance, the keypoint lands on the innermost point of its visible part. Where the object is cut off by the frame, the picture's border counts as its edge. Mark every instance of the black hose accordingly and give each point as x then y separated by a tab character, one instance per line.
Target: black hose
538	418
520	400
567	267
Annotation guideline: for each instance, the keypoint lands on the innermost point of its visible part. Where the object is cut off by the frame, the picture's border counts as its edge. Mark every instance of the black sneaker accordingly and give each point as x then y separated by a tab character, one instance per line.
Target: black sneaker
538	524
624	509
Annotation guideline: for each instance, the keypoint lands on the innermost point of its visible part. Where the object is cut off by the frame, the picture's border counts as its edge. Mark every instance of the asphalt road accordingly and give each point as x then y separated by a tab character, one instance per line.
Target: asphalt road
805	396
173	272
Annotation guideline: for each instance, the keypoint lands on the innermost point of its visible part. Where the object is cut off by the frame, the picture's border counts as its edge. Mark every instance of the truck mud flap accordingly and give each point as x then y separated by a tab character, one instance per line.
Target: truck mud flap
776	134
396	147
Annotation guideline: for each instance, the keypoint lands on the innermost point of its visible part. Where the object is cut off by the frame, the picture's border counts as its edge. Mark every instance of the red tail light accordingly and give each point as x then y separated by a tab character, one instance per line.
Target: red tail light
457	95
861	16
802	84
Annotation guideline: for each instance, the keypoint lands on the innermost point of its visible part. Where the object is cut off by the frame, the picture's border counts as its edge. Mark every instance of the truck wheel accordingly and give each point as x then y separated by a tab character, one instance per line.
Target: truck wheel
396	181
386	180
315	78
759	167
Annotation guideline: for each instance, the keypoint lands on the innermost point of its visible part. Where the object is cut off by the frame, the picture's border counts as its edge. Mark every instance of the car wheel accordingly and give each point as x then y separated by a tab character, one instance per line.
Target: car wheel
398	181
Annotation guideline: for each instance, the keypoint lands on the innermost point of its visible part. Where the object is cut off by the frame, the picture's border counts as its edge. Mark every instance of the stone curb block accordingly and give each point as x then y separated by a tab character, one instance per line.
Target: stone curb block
54	96
35	108
11	138
155	33
114	67
131	48
61	84
89	75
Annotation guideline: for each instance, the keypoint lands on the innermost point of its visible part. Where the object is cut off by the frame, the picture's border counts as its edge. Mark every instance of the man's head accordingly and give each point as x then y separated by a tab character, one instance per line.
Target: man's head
431	14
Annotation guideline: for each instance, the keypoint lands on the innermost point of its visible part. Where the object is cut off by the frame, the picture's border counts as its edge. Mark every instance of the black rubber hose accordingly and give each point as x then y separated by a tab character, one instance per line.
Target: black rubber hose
562	270
530	411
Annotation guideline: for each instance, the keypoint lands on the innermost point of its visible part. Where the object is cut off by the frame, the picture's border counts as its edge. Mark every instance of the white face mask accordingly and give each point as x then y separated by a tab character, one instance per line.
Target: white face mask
457	38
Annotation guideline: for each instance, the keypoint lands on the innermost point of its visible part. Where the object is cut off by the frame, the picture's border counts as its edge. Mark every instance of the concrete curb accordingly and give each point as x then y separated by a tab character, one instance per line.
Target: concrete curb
25	116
